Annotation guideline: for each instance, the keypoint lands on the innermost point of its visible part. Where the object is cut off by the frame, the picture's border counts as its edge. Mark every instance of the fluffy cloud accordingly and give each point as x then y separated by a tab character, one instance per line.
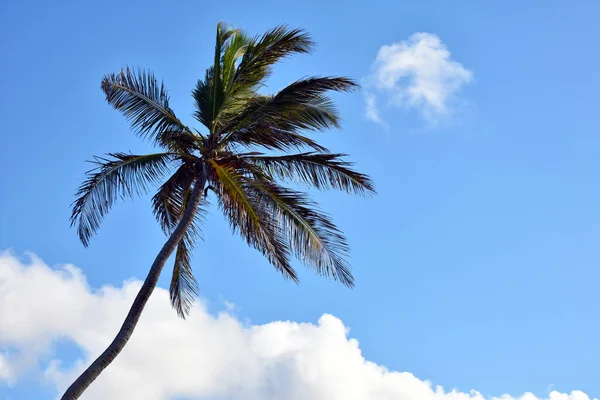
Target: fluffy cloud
206	356
418	73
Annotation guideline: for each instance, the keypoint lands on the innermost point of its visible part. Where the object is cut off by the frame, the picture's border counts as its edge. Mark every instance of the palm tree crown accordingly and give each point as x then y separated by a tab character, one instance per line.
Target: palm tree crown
252	146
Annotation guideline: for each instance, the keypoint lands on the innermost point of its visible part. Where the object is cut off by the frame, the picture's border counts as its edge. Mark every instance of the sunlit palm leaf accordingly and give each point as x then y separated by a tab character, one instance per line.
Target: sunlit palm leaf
301	105
240	203
233	103
234	50
312	235
211	93
276	121
267	134
257	57
216	87
262	52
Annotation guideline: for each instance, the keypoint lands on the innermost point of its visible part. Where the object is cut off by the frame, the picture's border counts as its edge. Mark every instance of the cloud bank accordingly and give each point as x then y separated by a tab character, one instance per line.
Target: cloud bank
205	357
416	73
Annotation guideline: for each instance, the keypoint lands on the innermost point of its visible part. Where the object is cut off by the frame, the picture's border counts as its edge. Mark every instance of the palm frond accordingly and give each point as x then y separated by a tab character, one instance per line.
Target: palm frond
216	87
184	287
145	104
202	99
320	170
240	203
169	205
300	105
276	121
233	102
267	135
182	143
264	51
121	175
313	237
237	83
233	52
273	138
210	93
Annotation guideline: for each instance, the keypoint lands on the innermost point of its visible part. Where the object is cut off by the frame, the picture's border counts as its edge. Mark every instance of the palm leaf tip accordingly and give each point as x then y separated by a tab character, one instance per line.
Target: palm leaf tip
184	287
282	40
263	51
311	234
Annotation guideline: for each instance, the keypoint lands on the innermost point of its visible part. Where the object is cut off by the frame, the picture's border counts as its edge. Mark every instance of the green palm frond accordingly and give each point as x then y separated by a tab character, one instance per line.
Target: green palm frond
122	176
264	51
240	66
234	51
267	135
240	203
233	102
312	236
216	87
277	121
211	92
319	170
300	105
145	104
231	84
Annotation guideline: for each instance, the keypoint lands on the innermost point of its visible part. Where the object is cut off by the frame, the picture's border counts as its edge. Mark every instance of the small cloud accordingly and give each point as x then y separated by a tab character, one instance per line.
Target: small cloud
372	110
230	307
6	373
416	73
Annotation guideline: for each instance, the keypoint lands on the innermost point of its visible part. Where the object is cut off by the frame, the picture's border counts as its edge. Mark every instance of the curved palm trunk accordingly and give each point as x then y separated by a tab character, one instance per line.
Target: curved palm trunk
95	369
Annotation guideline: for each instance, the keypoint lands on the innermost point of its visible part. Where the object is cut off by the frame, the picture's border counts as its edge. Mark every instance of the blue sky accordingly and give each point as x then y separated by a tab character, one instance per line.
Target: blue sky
476	264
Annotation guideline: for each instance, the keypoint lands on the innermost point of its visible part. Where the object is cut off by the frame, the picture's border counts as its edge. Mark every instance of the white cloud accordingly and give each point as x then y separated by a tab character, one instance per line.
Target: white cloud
6	373
206	356
372	111
418	73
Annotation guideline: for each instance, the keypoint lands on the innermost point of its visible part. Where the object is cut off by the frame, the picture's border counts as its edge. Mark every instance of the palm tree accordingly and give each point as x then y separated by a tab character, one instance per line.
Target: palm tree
248	184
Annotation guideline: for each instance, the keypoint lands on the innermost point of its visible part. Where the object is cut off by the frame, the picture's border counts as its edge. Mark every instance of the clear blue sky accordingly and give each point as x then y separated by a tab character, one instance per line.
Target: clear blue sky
476	264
